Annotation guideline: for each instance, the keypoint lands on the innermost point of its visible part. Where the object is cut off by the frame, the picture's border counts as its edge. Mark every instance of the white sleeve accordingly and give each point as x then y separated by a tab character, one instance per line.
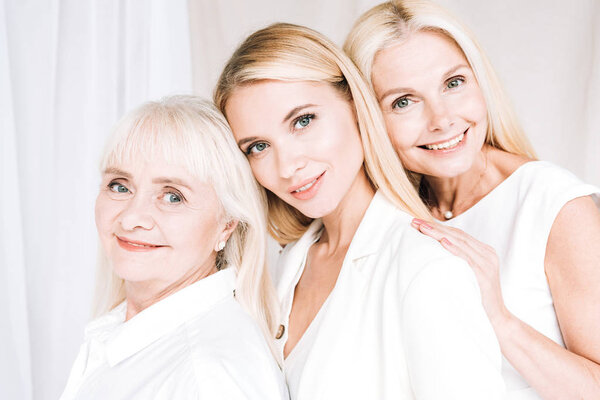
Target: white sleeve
452	351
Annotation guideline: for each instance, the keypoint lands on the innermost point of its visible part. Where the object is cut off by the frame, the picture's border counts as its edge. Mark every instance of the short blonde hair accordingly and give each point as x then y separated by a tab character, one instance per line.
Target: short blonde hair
289	52
389	23
190	132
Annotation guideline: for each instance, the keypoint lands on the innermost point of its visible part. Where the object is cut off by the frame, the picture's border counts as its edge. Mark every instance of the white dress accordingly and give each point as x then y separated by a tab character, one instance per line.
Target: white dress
515	219
198	343
404	320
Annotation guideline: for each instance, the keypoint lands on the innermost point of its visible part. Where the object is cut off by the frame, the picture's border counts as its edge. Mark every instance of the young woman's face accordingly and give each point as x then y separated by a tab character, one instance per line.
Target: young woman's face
157	223
433	107
301	139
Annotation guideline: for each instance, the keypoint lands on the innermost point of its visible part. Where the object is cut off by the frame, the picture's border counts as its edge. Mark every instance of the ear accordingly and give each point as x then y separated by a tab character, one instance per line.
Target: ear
225	234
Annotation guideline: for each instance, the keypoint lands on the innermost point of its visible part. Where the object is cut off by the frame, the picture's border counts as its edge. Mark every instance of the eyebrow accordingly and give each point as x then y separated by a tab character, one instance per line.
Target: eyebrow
117	171
406	89
296	110
159	180
289	115
174	181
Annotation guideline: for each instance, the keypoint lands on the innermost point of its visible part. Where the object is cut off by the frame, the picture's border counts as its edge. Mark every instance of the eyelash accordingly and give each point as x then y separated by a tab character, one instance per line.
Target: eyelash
310	117
455	78
168	190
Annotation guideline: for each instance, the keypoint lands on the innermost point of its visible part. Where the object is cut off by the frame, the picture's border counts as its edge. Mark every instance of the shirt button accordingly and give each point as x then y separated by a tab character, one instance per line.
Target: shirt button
280	332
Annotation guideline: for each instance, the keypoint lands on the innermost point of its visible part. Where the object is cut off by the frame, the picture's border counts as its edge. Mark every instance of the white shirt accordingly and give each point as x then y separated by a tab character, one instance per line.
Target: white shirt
198	343
515	219
404	320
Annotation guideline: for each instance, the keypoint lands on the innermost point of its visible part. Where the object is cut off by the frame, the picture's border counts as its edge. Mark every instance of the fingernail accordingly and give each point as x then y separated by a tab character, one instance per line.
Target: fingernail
417	221
446	241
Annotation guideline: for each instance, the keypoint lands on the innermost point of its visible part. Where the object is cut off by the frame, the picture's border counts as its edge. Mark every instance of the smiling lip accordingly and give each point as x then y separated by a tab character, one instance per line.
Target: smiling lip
136	245
308	189
446	145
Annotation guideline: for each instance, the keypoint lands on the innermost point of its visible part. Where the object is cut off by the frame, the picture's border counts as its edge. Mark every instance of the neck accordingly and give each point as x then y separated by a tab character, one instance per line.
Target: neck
457	194
342	223
142	294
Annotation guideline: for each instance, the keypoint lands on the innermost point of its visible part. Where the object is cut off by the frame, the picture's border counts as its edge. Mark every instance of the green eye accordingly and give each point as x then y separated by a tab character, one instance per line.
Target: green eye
118	188
256	148
172	198
456	82
303	121
402	102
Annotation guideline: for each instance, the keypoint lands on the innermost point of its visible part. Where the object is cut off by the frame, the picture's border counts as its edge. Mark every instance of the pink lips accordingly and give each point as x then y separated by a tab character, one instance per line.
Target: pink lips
136	245
311	191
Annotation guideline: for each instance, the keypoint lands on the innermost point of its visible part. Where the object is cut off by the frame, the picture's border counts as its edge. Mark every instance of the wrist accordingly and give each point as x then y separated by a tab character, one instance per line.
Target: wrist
504	323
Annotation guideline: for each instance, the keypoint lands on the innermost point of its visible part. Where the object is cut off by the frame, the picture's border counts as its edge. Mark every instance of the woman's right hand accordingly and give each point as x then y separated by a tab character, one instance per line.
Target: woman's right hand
483	260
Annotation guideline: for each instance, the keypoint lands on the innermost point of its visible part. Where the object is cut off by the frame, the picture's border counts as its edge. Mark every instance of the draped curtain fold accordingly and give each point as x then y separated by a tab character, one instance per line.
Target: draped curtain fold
69	69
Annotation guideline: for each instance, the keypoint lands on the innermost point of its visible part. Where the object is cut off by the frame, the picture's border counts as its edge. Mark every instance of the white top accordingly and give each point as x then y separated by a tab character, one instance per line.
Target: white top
404	320
198	343
515	219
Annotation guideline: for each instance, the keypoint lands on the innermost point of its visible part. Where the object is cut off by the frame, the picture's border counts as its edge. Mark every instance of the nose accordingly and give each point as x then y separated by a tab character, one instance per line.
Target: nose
137	214
290	159
439	116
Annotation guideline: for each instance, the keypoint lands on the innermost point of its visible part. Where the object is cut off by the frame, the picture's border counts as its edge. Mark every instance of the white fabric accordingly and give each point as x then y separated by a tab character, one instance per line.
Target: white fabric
296	359
515	218
68	70
404	320
197	343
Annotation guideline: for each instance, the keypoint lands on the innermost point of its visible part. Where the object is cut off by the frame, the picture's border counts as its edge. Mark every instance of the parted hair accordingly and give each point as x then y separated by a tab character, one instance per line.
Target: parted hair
392	22
289	52
192	133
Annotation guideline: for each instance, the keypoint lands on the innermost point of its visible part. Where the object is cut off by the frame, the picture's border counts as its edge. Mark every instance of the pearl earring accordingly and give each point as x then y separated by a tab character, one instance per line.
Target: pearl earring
221	245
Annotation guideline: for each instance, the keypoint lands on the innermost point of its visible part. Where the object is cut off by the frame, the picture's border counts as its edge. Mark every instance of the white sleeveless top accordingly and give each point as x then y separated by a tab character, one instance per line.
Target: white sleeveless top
515	218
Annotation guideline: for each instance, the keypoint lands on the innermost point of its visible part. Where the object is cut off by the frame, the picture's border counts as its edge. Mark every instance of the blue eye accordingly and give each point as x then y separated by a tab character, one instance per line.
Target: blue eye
455	82
402	102
303	121
117	187
172	198
256	148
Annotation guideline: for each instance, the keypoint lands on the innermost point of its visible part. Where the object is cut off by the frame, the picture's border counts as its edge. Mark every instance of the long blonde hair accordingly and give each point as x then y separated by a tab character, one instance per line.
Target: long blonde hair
289	52
190	132
392	22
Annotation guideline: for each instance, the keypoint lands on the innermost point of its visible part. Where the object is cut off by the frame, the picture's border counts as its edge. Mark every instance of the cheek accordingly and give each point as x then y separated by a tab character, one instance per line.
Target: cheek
403	132
264	174
104	211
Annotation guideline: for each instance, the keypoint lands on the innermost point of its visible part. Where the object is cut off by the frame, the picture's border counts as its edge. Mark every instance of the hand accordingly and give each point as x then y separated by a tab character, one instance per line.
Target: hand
482	259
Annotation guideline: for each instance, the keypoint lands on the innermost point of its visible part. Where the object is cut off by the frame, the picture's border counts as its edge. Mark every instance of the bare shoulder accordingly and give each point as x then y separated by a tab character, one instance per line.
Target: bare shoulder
571	264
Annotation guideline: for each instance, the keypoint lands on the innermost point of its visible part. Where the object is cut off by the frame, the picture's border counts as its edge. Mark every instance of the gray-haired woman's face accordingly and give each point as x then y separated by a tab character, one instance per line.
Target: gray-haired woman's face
432	104
301	139
158	224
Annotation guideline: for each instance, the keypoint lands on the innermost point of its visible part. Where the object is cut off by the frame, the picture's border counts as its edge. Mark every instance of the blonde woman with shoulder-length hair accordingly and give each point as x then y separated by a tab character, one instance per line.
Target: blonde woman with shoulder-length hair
529	229
186	306
370	308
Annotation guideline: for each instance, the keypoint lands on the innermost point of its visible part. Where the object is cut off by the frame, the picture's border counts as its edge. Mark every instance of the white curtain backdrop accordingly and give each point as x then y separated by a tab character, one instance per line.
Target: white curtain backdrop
70	68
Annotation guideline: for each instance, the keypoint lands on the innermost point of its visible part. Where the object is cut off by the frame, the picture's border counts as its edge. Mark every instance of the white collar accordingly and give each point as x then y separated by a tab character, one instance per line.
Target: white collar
124	339
367	240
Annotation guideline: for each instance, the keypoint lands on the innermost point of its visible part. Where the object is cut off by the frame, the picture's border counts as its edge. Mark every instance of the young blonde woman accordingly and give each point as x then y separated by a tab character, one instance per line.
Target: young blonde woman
529	229
371	308
182	229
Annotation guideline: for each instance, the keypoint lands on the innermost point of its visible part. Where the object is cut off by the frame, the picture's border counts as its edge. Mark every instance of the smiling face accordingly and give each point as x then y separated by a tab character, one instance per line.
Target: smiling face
433	107
301	139
158	224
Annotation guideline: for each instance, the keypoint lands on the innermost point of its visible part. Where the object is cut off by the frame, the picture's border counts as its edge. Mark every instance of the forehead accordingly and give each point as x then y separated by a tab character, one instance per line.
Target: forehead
268	102
422	56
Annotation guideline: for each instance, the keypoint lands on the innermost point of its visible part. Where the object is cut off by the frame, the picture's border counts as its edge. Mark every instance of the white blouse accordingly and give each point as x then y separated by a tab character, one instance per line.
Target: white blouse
515	219
198	343
404	320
